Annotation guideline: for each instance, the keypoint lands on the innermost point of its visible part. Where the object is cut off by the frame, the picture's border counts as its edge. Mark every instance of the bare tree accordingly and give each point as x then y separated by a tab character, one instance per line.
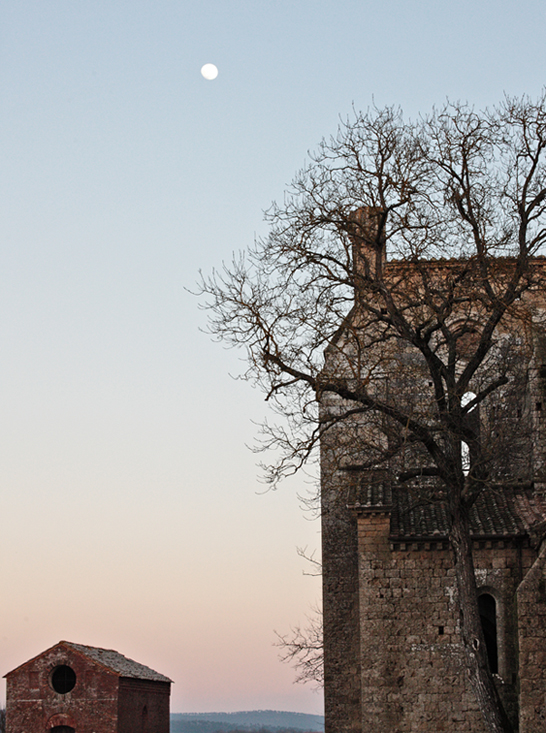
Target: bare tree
303	648
399	267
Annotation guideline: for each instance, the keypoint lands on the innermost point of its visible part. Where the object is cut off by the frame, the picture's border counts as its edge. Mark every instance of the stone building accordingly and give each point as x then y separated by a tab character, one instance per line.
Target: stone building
72	688
398	661
393	654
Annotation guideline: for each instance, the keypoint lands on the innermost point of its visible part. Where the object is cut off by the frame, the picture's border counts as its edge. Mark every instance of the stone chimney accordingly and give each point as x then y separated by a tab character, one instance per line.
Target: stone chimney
367	234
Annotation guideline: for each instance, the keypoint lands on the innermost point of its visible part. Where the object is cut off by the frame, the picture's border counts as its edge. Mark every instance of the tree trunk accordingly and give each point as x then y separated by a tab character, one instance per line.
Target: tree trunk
481	679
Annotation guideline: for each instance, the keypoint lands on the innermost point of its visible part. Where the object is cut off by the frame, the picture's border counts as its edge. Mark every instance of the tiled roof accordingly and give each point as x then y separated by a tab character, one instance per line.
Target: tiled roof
413	518
370	490
117	663
498	512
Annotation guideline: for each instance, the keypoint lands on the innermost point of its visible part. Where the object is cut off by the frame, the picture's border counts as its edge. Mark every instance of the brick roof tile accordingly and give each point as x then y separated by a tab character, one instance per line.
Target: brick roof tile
118	663
507	511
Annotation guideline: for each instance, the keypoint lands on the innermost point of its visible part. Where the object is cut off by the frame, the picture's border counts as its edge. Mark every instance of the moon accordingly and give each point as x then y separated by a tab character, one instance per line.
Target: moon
209	71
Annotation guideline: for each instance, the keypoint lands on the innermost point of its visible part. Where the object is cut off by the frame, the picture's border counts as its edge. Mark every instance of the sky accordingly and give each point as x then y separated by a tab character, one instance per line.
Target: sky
132	515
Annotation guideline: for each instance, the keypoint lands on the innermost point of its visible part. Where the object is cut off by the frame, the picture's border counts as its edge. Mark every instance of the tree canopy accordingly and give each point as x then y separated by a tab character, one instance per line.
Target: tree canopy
454	185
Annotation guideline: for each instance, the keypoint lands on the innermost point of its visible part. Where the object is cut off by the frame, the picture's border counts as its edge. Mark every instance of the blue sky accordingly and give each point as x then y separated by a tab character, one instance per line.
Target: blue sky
132	513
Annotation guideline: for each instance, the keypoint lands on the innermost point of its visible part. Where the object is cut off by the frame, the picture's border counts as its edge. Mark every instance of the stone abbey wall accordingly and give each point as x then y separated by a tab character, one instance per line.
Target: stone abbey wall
531	604
412	672
341	614
392	643
392	649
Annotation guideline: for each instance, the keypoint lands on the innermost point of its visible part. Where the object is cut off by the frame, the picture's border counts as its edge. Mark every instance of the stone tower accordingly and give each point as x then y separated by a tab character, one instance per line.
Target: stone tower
394	660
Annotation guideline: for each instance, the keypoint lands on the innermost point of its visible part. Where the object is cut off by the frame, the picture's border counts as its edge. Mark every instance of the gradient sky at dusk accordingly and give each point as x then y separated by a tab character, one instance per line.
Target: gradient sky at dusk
132	516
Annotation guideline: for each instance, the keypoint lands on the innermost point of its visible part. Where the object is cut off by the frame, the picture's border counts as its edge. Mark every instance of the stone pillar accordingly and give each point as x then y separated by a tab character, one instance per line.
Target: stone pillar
340	597
531	599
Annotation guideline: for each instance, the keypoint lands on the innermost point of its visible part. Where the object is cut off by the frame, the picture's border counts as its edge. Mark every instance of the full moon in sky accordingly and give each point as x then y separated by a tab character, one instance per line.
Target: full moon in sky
209	71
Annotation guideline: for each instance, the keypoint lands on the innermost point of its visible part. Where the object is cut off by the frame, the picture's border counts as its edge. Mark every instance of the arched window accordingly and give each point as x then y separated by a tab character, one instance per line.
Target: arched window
488	616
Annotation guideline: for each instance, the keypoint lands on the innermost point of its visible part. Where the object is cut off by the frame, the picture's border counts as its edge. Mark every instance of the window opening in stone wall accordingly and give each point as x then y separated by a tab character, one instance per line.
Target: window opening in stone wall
488	615
62	729
465	448
465	458
63	679
467	399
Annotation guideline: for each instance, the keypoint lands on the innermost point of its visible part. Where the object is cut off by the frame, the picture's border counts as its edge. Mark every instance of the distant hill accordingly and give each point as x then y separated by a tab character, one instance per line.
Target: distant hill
264	721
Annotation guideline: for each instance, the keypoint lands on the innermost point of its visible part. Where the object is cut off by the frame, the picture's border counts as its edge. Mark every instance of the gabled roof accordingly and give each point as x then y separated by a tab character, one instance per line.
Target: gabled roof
116	662
110	660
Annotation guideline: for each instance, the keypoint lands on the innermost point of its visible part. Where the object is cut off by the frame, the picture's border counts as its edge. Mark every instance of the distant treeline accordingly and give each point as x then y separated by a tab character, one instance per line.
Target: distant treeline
247	721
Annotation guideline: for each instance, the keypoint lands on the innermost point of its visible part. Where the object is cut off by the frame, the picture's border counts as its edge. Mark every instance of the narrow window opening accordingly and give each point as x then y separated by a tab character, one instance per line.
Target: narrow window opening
467	399
440	630
488	616
538	406
465	458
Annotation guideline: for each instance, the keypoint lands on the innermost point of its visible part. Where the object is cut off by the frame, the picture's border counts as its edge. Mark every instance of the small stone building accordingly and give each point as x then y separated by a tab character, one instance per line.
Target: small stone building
72	688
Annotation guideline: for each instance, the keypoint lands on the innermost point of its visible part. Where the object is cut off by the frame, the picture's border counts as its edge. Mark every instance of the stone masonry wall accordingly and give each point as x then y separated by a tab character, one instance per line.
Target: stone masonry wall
392	650
340	609
532	646
413	677
32	705
143	706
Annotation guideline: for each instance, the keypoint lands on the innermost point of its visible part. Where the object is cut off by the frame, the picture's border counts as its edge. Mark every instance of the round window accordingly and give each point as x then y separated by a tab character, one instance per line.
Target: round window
63	679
